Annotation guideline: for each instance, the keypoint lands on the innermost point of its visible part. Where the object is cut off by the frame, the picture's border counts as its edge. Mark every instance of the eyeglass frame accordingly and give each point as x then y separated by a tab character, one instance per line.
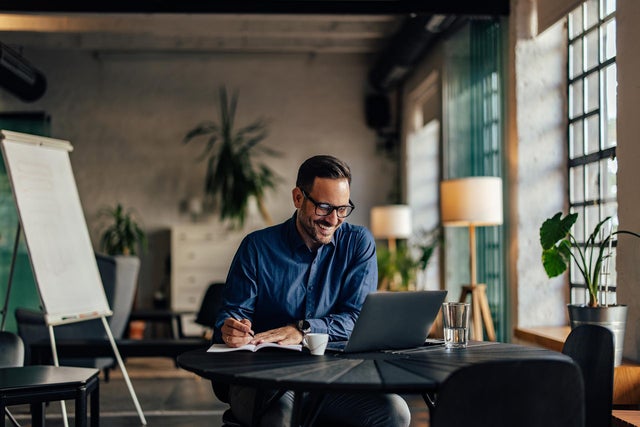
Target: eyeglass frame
324	206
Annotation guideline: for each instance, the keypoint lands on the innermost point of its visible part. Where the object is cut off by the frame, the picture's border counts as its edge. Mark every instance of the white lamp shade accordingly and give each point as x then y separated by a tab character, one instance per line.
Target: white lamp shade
471	201
391	222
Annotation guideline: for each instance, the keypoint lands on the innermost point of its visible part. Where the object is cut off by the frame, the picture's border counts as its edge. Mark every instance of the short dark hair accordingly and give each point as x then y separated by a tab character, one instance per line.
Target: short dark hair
322	166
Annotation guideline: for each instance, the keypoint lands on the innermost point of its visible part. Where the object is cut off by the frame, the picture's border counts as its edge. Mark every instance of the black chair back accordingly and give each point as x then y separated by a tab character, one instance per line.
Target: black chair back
211	304
507	393
592	347
11	350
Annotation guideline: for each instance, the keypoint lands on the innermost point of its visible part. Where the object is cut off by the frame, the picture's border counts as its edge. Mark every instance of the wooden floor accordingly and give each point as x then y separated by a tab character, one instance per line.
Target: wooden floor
169	397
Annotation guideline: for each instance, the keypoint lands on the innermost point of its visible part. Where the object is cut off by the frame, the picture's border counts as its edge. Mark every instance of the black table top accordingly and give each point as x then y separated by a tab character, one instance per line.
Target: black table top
35	377
411	371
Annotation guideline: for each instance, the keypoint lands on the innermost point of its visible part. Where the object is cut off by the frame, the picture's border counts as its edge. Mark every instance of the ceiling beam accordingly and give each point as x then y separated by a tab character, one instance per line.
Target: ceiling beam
449	7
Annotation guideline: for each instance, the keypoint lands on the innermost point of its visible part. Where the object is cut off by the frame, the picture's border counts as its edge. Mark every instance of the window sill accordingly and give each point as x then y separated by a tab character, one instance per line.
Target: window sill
626	377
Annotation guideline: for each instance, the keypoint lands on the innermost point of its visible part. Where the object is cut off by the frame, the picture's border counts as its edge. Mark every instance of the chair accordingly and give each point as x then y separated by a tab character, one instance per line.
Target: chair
11	355
210	306
119	276
206	316
507	393
592	348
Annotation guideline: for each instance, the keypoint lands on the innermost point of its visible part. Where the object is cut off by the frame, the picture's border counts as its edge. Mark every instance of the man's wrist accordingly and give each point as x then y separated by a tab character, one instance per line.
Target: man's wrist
303	326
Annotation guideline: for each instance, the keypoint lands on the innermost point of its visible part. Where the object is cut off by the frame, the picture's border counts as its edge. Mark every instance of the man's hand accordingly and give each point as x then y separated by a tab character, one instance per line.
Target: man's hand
236	333
285	335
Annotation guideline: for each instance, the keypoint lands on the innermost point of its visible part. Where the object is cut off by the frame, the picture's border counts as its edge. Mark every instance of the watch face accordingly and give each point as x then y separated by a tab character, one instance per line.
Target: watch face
304	326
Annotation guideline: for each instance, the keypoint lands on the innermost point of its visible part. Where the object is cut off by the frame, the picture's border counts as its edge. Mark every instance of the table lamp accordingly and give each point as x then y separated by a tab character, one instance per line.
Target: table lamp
391	222
473	202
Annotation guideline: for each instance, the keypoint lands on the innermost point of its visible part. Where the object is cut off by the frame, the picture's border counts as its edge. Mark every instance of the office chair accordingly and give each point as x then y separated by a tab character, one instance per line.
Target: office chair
507	393
119	275
210	306
592	348
11	355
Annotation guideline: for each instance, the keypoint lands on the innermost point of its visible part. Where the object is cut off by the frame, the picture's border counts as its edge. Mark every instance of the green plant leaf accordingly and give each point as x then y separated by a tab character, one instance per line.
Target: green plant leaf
123	236
555	229
556	260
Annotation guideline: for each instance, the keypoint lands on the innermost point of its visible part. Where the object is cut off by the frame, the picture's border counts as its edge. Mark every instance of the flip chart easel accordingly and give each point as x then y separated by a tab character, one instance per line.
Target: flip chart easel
56	236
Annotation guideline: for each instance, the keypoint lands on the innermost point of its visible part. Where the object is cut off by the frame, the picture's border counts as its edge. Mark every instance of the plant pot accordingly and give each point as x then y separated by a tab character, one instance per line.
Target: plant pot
613	317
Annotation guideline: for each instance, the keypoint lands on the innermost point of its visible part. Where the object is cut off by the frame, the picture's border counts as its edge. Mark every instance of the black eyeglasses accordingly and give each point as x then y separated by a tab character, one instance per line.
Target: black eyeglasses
324	209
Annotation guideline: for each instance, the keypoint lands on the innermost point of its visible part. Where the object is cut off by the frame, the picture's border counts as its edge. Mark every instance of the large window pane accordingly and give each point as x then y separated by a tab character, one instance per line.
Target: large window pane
592	136
608	41
575	23
592	181
592	92
592	218
609	7
609	180
591	15
576	139
576	103
575	58
578	227
576	185
609	110
591	43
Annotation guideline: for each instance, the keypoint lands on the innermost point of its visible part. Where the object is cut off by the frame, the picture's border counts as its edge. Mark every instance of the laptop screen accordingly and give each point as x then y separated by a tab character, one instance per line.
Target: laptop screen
393	320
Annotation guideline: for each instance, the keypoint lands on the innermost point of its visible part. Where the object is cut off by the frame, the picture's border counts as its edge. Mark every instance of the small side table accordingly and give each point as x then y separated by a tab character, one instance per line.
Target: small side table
37	385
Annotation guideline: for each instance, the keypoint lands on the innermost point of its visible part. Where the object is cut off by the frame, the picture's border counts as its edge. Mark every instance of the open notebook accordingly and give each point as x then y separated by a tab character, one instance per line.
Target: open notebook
392	320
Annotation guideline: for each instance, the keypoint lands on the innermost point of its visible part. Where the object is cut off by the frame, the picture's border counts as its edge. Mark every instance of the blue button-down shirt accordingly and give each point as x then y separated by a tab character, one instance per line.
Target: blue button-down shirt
275	280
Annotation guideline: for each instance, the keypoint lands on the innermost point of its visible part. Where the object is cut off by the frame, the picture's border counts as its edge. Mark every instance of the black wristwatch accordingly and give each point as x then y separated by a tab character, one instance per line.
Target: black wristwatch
303	326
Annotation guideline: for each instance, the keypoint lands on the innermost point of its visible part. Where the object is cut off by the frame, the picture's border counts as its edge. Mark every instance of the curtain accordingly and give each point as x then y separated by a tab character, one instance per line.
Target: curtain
474	146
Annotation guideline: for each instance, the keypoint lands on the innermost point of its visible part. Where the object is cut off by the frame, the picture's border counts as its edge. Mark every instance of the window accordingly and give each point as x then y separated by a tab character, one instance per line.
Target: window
592	82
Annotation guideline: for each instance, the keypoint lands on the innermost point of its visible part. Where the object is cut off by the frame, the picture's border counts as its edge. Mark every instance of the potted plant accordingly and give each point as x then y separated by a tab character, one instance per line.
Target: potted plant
123	236
397	270
559	247
232	176
123	239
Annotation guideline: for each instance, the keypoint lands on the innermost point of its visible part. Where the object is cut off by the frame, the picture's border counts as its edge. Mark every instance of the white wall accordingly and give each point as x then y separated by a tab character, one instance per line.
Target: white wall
537	158
126	116
628	258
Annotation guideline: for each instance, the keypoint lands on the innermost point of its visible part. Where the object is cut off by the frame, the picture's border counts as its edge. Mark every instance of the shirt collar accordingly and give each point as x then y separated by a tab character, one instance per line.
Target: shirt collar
294	238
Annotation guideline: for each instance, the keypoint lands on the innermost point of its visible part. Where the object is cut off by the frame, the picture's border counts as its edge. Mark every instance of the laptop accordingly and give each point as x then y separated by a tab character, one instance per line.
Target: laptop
391	321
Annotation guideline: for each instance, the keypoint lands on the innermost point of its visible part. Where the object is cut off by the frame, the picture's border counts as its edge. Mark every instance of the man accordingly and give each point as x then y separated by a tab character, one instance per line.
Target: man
308	274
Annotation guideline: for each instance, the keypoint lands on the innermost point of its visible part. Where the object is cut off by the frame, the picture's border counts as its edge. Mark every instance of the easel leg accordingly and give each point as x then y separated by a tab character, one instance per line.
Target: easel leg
125	375
486	314
480	311
54	352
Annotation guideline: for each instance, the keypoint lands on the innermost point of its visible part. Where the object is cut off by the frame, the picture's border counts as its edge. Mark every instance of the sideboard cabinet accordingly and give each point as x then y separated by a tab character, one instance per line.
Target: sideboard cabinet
200	254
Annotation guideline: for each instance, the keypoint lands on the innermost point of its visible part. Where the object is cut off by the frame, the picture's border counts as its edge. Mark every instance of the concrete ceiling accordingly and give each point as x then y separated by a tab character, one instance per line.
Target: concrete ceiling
166	32
269	26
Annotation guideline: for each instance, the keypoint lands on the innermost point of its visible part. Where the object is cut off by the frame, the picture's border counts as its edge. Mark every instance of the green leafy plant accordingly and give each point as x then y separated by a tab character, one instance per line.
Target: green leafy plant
123	236
397	270
559	246
232	176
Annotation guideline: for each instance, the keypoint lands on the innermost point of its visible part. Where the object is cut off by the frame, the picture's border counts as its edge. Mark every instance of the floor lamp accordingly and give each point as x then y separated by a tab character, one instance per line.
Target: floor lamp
473	202
391	222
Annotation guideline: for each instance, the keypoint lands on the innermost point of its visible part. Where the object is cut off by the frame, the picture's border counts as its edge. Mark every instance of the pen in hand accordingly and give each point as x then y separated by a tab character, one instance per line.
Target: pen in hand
242	321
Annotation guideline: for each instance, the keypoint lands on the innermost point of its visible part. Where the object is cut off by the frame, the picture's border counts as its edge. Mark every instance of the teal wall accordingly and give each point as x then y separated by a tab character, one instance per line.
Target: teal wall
24	292
475	121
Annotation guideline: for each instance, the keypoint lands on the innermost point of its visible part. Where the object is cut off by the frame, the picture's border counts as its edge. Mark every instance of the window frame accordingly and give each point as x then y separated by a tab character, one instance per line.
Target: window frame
591	171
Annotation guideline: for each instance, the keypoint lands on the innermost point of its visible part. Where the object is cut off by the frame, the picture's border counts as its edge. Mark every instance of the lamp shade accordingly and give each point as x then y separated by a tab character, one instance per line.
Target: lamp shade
391	222
471	201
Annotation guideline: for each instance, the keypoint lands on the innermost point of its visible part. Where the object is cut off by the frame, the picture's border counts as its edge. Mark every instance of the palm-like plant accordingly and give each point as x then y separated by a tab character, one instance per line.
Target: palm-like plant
232	178
124	234
559	246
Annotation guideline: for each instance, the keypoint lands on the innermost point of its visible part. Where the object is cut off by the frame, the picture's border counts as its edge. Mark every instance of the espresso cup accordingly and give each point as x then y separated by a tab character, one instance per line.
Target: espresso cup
316	343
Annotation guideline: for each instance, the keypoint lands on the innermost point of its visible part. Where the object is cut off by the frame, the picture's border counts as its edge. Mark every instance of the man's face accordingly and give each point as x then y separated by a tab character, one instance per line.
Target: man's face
318	230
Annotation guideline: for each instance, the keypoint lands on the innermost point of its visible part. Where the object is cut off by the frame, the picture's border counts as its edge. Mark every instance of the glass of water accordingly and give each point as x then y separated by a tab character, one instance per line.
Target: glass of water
455	318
